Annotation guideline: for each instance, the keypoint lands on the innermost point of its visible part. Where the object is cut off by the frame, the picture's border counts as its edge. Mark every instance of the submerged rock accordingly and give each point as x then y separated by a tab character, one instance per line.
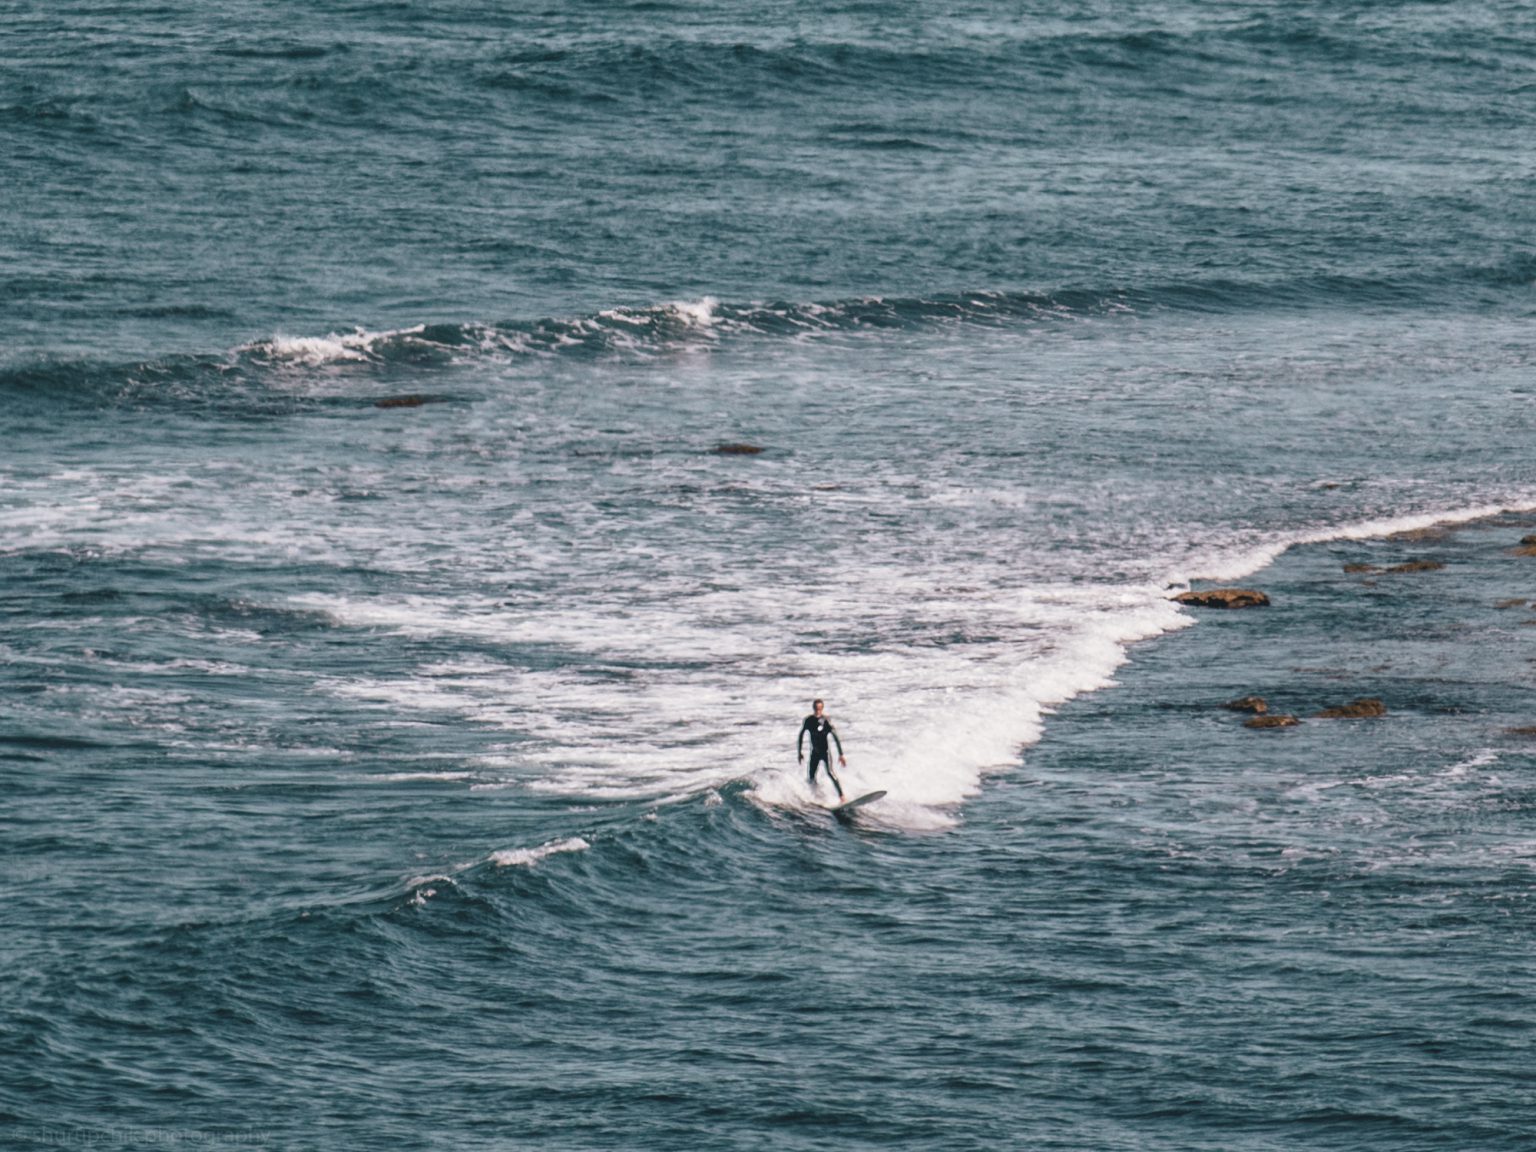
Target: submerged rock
1353	568
1224	598
411	401
1281	720
1248	704
737	450
1513	602
1433	532
1527	546
1417	566
1355	710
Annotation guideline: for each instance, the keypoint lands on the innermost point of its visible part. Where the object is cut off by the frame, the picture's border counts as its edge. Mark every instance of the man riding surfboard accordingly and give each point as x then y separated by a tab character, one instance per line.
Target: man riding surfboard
820	727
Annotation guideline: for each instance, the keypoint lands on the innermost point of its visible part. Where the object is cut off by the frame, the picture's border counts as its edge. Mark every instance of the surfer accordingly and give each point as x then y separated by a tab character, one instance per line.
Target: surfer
820	728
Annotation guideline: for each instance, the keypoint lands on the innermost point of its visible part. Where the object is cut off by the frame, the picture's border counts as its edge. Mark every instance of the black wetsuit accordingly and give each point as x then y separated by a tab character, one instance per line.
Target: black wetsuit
820	728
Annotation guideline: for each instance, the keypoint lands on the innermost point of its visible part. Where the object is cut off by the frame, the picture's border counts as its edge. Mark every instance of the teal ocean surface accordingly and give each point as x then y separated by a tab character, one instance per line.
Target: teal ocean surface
444	448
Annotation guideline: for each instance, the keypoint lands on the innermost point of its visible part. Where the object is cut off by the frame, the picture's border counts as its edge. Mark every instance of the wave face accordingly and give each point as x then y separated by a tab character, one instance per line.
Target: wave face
447	447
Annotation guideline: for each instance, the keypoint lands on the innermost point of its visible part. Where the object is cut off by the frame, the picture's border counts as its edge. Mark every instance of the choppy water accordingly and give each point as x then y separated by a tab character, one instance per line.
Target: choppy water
400	687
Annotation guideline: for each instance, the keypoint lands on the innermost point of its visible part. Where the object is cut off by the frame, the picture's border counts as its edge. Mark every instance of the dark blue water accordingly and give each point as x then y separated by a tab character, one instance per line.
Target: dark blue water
399	684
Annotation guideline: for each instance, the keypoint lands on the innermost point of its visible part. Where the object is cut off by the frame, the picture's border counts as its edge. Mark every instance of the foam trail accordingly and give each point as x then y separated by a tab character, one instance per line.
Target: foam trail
942	761
944	728
1241	564
942	678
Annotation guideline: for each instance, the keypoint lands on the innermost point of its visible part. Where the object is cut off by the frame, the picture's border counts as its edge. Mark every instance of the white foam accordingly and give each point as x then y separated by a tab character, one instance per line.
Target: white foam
337	347
936	676
943	734
525	857
218	508
394	777
927	726
1216	565
1312	792
316	350
431	878
1464	768
697	313
422	888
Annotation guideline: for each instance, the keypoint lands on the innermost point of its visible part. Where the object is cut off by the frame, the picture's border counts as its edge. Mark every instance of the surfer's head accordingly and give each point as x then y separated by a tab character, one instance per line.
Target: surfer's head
818	705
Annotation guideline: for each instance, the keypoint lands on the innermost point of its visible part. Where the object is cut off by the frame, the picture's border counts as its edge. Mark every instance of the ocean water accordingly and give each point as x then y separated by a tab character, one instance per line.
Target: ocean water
400	685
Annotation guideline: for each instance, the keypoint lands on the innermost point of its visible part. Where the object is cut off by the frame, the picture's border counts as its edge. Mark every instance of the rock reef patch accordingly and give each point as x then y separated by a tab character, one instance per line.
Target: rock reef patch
1255	704
1224	598
1280	720
1364	707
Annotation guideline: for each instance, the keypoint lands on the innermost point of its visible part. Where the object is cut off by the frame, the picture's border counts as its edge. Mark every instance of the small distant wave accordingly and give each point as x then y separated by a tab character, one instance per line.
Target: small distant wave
415	777
1024	57
524	857
1518	271
174	312
635	331
291	51
50	111
421	344
277	374
661	329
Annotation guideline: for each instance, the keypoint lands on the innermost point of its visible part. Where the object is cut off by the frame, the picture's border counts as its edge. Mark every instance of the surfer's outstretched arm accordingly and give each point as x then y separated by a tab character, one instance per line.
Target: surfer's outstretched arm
841	759
800	742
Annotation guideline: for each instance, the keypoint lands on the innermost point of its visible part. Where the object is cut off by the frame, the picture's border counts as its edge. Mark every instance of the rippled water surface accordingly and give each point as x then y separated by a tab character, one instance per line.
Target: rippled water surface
445	449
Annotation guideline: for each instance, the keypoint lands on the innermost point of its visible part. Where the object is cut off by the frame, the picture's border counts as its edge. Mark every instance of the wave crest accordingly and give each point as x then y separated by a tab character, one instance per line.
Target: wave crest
648	332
